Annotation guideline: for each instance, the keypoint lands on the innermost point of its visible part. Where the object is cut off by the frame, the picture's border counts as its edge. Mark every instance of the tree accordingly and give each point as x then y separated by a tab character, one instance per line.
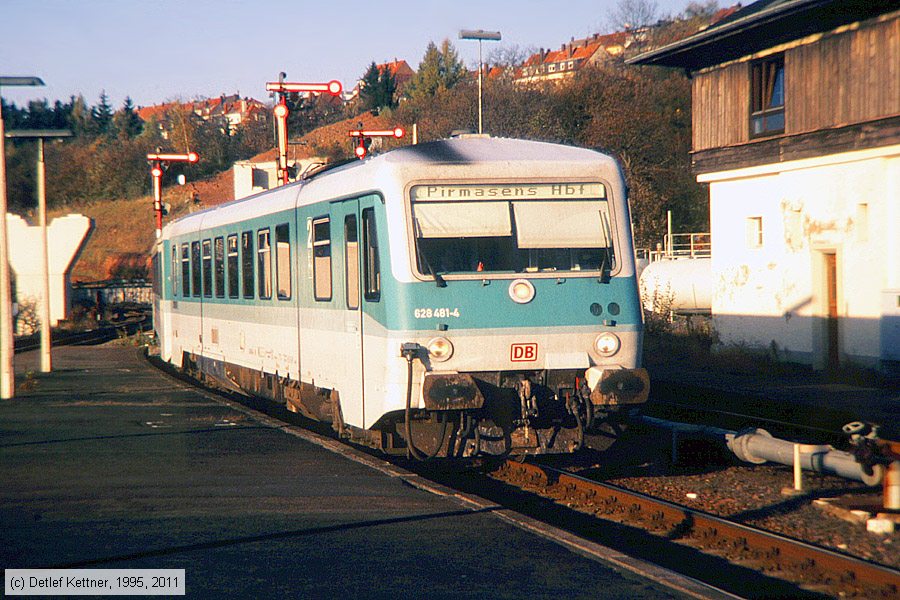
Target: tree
439	69
126	123
102	113
80	118
633	14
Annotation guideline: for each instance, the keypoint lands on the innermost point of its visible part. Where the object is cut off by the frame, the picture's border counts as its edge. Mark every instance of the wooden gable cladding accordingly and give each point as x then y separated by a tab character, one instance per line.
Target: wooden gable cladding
845	77
720	105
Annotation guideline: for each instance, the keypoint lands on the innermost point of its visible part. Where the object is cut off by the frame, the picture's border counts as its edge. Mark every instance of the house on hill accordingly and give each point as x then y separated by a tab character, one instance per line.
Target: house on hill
401	71
233	110
796	130
557	65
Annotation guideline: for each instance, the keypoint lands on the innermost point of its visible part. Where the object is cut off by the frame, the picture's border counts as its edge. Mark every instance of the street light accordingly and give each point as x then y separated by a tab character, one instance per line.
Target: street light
480	35
40	135
7	372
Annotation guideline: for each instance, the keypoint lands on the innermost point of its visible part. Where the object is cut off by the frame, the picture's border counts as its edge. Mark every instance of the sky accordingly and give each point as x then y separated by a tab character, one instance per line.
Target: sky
164	50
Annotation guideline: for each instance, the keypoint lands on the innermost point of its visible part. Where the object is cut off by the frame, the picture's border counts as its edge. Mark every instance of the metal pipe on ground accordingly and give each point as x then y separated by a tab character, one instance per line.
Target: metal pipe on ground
758	446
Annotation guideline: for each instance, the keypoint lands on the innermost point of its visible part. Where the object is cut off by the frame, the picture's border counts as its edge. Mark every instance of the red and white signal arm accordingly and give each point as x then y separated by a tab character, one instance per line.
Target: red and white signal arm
333	87
397	132
190	157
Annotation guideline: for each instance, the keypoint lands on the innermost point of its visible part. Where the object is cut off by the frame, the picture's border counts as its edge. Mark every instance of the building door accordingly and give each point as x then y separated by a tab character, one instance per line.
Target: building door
831	322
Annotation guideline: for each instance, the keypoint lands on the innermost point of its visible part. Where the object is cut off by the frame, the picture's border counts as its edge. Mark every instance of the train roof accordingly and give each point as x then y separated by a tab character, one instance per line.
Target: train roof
518	159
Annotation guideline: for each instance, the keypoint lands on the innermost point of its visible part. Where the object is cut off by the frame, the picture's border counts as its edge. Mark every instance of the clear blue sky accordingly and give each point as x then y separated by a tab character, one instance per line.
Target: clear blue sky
162	50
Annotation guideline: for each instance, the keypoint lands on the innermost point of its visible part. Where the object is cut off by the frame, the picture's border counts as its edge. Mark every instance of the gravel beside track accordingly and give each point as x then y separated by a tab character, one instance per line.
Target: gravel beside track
708	479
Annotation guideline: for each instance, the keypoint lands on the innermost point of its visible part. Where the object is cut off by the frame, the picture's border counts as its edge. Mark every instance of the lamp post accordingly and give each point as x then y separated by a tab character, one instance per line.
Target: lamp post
40	135
7	372
480	35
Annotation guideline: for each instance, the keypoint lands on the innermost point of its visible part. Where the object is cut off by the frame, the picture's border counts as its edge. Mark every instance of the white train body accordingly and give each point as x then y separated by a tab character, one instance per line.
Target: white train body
477	295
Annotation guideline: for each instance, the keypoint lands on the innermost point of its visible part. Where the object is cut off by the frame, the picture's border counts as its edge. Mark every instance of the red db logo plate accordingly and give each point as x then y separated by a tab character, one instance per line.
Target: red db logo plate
523	352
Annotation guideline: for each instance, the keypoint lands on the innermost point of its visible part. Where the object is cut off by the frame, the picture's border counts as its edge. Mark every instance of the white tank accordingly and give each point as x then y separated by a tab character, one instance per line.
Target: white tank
681	285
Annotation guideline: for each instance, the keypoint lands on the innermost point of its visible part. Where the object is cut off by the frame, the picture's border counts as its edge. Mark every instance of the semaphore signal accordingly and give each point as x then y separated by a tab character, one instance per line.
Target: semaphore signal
158	160
281	112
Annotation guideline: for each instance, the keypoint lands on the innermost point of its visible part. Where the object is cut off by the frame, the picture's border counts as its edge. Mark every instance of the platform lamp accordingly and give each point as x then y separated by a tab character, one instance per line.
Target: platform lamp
7	372
281	112
480	35
40	135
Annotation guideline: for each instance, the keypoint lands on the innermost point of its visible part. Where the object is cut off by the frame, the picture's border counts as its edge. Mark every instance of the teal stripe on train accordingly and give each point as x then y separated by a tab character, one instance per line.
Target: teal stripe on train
468	304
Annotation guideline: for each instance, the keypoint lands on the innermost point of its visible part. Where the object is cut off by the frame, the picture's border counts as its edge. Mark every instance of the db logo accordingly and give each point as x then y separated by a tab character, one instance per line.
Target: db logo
523	352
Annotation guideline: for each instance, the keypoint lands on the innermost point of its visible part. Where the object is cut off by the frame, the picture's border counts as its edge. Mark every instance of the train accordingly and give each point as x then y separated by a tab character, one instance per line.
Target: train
471	296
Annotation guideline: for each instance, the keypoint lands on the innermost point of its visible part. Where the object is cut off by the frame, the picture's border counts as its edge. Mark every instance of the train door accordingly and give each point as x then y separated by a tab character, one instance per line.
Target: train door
346	228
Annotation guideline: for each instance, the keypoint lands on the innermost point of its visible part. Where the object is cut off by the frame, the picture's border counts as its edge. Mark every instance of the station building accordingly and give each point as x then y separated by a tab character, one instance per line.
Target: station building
796	130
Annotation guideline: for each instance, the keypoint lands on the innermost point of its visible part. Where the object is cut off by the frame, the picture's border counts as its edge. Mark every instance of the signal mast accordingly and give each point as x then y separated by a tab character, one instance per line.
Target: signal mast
281	112
364	138
160	162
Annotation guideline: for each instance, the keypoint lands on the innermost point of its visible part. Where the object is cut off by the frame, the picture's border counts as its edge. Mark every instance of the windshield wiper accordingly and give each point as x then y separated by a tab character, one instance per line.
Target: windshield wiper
438	280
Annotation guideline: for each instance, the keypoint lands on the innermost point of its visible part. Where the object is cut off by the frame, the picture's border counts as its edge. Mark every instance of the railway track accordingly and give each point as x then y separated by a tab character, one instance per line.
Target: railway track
812	568
102	334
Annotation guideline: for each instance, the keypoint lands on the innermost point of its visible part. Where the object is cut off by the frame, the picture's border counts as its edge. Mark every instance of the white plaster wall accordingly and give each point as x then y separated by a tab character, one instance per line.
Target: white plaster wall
776	293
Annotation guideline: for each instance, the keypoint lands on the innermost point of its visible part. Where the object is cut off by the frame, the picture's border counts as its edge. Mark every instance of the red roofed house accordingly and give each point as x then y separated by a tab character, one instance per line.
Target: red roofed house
233	109
401	71
557	65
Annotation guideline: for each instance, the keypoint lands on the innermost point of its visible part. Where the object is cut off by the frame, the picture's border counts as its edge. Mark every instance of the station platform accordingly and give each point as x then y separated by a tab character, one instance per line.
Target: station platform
793	395
109	463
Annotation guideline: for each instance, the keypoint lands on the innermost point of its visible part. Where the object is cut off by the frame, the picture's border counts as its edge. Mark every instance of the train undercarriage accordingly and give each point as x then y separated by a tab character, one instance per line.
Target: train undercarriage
508	413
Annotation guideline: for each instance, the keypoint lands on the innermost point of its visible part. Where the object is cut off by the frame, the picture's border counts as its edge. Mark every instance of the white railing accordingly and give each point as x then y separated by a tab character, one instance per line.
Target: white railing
682	245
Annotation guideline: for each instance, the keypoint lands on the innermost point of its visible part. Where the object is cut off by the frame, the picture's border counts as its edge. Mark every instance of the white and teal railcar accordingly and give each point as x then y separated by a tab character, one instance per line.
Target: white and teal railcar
465	296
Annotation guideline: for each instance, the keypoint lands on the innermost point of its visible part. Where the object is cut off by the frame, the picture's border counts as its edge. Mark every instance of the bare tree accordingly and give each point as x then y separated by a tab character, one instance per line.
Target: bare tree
633	14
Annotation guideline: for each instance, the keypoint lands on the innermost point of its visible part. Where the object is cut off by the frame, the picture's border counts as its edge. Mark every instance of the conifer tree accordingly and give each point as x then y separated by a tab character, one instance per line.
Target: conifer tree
126	123
102	113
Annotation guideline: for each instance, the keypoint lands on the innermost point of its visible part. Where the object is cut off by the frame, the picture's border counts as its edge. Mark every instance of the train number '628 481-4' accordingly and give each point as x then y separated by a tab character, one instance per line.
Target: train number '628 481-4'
435	313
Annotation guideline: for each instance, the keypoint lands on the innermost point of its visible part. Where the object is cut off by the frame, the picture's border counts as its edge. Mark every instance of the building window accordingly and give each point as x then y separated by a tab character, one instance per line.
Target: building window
767	96
862	222
322	258
754	232
232	246
247	256
264	263
283	261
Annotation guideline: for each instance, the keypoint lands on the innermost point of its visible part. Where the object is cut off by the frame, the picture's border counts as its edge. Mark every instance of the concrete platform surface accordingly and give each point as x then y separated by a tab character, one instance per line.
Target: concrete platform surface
108	463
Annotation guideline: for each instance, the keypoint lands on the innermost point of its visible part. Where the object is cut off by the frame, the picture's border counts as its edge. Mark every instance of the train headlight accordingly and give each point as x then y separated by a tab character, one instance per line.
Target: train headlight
607	344
440	349
521	291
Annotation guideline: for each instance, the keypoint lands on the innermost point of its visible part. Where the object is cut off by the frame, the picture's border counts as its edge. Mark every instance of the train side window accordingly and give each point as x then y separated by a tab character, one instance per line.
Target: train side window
175	267
195	269
185	270
247	257
264	263
351	260
219	255
207	268
232	248
283	261
372	268
322	258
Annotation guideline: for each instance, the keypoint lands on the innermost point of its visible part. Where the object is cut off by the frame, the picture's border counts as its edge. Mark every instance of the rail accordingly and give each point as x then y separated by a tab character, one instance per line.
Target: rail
802	563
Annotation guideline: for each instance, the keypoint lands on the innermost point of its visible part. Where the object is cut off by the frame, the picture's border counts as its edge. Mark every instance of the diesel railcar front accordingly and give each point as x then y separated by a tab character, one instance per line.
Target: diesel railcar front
460	297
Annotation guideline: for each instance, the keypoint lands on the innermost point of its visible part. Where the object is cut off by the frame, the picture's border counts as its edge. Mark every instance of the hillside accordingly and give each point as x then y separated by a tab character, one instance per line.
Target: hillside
123	234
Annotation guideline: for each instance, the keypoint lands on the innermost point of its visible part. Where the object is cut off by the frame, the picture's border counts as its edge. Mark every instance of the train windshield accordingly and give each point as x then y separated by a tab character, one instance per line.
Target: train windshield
462	229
